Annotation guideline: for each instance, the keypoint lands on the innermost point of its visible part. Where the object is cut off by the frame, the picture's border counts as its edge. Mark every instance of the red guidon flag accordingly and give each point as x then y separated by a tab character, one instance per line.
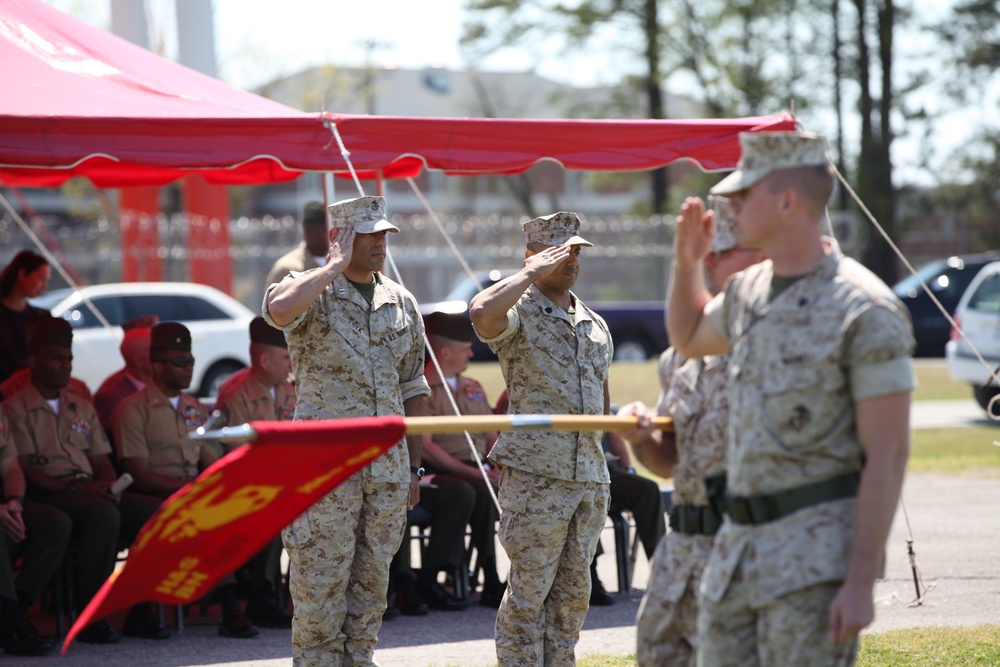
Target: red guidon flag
225	516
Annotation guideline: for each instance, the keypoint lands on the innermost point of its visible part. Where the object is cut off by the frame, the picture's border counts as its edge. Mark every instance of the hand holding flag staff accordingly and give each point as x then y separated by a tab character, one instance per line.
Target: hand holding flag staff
214	524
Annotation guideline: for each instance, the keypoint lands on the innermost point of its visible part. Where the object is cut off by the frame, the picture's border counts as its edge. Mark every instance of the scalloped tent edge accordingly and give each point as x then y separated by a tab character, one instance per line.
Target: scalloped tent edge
82	102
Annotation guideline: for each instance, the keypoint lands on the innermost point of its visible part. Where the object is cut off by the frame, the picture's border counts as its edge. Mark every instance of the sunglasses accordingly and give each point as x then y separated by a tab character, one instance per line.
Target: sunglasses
179	362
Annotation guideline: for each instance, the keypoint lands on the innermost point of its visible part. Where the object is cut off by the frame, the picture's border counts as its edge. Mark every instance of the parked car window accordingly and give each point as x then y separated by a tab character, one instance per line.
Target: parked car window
82	317
171	308
986	298
195	309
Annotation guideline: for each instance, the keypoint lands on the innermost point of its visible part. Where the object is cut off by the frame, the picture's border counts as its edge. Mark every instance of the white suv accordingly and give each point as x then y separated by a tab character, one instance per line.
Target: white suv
978	313
219	324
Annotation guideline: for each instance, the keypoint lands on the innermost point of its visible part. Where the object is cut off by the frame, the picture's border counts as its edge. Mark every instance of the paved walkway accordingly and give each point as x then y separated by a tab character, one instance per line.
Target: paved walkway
955	539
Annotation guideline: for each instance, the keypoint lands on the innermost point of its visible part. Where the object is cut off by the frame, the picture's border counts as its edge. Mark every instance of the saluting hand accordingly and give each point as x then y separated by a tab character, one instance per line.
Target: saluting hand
341	248
695	232
545	262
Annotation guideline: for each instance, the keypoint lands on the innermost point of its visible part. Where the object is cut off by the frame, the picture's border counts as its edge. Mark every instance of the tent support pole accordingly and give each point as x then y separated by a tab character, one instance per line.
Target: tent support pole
329	191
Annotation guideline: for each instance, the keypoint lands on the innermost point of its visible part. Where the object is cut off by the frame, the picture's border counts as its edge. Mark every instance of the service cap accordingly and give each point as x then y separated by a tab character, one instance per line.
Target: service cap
762	153
365	214
263	333
555	229
170	336
45	331
449	325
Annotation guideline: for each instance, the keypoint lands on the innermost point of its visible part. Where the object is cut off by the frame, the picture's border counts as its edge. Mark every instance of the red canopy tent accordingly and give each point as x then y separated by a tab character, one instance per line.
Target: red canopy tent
81	102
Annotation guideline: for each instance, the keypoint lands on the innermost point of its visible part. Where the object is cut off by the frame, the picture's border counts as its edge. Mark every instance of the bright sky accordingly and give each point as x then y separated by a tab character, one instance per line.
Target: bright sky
258	40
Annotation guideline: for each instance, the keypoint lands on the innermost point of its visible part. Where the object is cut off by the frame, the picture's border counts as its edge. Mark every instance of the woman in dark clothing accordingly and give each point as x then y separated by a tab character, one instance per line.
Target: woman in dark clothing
26	277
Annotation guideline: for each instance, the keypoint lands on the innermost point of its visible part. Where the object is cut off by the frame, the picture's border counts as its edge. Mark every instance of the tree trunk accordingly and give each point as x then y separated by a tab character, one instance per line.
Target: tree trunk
659	183
838	79
885	197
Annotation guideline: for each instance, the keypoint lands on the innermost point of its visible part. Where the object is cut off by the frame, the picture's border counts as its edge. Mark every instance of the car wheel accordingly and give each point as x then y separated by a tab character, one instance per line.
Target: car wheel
984	395
632	349
215	376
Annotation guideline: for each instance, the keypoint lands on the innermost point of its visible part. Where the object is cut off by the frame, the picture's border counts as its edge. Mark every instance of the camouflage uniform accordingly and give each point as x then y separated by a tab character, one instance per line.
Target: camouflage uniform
798	364
351	359
695	395
553	486
146	425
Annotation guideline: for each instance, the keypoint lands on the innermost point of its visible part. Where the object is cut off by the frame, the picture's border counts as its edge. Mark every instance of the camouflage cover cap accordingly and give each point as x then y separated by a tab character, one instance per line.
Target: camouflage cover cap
365	214
555	229
725	233
766	152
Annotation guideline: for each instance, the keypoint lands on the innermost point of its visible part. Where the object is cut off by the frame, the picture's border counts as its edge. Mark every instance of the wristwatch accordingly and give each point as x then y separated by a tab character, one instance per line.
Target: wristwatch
418	471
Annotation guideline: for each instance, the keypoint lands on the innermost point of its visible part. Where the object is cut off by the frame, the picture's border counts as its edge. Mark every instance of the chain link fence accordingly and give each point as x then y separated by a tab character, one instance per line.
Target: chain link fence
630	259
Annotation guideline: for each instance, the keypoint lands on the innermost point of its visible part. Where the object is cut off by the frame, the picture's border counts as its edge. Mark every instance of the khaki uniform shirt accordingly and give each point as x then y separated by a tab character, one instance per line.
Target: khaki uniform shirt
299	259
797	366
248	400
146	425
471	400
355	359
57	444
7	448
553	364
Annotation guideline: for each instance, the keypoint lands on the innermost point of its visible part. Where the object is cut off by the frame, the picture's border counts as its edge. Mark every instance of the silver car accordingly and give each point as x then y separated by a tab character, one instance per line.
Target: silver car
978	314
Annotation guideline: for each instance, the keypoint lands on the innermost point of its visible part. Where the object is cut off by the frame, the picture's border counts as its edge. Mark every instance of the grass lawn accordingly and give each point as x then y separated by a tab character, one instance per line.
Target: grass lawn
916	647
639	382
966	451
932	647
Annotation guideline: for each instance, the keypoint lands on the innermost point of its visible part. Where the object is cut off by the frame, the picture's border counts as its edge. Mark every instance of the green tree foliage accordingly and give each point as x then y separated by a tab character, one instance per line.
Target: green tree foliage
496	24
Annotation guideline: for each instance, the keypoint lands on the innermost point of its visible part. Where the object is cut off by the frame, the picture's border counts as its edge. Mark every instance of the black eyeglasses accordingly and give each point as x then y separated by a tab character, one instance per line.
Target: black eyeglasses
179	362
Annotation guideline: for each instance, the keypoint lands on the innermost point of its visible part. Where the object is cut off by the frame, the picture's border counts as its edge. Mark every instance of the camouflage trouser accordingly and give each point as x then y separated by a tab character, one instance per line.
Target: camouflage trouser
788	631
667	622
549	530
339	552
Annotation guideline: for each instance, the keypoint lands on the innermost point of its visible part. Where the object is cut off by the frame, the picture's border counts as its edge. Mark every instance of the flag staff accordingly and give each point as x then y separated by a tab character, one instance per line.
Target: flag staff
471	424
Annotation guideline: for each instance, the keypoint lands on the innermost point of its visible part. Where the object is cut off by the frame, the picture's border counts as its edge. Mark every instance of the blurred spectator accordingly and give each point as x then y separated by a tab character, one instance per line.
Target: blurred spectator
25	277
136	374
449	456
311	252
64	454
22	378
261	392
150	430
39	534
445	505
